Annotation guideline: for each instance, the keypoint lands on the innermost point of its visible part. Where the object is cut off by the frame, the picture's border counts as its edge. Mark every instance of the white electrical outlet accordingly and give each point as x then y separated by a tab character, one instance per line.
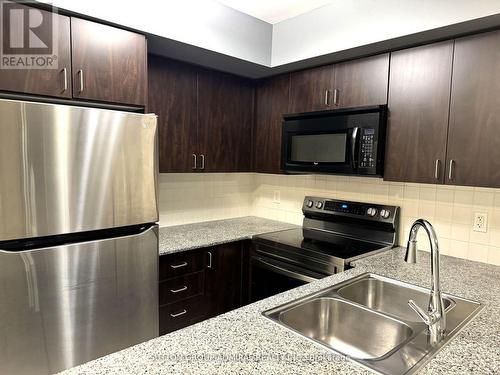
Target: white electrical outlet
276	197
480	222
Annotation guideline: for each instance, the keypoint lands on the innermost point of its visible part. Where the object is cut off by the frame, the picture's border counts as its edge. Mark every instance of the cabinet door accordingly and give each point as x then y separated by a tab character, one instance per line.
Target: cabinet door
172	96
47	82
271	103
362	82
311	89
224	277
109	64
225	121
419	93
474	135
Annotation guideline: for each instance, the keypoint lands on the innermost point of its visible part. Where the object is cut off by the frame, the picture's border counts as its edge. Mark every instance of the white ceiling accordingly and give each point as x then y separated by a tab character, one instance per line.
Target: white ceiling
274	11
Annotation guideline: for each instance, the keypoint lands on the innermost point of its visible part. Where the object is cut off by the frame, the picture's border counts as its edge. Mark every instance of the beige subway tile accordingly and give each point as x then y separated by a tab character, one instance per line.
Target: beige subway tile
477	252
410	209
444	211
427	194
445	194
458	249
462	214
426	210
483	199
479	237
460	232
463	197
494	237
396	192
444	246
411	192
494	255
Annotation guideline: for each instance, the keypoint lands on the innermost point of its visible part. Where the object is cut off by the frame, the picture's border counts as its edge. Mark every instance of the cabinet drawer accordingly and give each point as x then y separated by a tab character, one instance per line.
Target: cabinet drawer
181	314
181	287
182	263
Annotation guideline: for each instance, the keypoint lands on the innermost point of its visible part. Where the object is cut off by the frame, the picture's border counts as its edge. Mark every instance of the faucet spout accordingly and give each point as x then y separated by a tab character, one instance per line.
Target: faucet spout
435	318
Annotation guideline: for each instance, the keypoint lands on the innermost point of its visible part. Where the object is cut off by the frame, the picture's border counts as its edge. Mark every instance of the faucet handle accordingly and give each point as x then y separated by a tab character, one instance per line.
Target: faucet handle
427	318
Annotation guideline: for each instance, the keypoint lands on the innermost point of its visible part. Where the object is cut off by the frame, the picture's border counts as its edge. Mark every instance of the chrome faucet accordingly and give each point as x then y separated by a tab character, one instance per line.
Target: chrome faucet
435	317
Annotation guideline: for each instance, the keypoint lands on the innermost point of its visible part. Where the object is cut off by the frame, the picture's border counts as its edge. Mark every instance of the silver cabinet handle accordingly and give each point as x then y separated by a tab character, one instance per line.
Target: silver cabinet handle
202	162
450	171
195	164
178	314
209	260
180	265
436	169
65	79
179	290
327	101
335	97
80	74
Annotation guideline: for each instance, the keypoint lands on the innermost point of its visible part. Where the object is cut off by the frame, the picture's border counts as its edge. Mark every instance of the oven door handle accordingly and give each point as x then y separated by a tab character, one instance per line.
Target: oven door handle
308	278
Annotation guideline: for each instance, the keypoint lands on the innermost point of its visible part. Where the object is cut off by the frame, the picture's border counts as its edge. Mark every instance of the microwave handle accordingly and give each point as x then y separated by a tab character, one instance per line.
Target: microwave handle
354	148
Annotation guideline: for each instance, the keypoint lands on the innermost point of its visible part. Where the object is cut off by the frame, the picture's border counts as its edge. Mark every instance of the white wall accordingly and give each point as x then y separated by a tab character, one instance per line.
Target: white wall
187	198
334	27
203	23
347	24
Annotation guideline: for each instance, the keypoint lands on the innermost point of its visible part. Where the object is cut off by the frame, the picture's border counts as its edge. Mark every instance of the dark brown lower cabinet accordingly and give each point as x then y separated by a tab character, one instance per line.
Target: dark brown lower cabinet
198	284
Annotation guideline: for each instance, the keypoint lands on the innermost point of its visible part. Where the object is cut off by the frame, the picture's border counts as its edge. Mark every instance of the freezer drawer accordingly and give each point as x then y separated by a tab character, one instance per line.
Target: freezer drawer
65	305
67	169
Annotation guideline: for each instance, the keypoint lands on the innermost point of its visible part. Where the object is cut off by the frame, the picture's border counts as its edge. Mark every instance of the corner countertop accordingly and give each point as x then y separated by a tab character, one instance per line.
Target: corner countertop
211	233
245	342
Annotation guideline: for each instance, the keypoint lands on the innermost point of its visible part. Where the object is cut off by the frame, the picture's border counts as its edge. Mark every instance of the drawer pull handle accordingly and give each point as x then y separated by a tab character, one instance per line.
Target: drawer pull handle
180	265
179	290
178	314
209	259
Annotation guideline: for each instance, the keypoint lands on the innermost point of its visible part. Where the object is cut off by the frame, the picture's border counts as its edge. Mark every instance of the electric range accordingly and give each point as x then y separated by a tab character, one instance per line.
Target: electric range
334	234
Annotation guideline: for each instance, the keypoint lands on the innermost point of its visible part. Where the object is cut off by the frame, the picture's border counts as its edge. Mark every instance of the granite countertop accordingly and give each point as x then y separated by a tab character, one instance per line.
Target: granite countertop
211	233
243	341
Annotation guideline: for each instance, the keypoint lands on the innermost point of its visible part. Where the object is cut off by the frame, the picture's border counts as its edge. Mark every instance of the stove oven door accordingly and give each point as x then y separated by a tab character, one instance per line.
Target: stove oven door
270	276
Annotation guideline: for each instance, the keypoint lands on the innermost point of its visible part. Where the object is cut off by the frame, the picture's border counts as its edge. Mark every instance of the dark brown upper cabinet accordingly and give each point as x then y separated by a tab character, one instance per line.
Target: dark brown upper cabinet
311	89
109	64
361	82
47	82
271	103
473	156
205	118
173	97
419	94
225	122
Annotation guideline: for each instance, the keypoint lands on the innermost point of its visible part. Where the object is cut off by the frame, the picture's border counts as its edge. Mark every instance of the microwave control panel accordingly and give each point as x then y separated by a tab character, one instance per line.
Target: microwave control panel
368	157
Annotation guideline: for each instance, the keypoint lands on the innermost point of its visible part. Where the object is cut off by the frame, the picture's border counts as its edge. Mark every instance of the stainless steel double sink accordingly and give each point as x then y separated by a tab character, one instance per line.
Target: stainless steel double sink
367	319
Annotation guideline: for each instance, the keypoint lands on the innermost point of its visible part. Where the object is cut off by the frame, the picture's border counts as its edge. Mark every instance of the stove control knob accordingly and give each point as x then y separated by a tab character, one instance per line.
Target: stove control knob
319	205
371	211
385	214
309	203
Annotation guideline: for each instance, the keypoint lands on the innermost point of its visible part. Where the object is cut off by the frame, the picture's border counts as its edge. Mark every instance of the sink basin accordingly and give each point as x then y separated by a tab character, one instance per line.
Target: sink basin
389	297
347	328
367	318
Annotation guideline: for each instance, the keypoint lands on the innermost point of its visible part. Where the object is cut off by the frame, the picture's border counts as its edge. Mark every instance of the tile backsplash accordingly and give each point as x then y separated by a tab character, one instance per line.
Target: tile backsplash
193	197
186	198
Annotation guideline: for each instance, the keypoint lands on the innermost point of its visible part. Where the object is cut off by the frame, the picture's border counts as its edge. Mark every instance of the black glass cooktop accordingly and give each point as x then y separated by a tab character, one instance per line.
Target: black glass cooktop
337	246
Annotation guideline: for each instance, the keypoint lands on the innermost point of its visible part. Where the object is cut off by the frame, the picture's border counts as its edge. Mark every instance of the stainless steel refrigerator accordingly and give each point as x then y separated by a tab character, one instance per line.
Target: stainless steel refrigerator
78	234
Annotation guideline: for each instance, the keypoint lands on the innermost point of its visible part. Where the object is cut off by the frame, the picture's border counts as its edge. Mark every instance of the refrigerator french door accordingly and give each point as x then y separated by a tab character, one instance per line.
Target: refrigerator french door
78	234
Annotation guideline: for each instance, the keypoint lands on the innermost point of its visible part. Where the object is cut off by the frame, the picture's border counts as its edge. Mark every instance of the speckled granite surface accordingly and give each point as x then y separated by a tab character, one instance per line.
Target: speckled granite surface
244	342
210	233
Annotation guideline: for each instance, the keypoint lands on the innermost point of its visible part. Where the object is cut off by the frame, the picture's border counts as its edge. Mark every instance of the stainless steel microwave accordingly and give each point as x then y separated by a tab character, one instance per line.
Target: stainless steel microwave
342	141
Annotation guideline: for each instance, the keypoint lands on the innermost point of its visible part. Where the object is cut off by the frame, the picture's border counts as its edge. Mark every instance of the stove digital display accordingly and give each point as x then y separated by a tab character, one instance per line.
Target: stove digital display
344	206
